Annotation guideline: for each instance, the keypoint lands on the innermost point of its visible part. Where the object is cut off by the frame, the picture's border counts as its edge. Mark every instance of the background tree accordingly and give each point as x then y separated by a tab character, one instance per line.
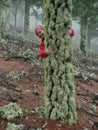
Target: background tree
1	7
38	4
86	11
27	16
28	4
59	78
4	18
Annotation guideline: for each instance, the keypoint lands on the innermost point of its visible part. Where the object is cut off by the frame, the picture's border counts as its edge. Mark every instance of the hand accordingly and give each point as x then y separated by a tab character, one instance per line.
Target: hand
69	32
48	51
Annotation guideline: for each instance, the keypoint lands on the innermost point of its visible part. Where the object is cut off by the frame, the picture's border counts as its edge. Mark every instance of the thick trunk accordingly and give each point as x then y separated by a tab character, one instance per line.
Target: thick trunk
59	78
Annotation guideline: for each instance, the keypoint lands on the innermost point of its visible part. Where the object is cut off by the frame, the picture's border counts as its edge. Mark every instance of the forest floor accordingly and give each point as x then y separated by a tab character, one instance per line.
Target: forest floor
28	93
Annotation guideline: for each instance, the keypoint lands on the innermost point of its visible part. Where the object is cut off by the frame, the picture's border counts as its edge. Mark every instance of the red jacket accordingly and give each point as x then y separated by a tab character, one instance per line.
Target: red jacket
72	33
42	52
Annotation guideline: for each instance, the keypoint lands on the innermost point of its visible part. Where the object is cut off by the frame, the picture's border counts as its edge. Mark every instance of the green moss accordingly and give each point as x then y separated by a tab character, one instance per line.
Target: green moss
53	115
59	78
48	89
60	96
66	89
47	111
63	112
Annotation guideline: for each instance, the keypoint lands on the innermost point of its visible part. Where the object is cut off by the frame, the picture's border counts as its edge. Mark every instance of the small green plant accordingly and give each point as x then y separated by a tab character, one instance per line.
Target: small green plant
93	107
10	111
79	106
2	88
12	126
17	76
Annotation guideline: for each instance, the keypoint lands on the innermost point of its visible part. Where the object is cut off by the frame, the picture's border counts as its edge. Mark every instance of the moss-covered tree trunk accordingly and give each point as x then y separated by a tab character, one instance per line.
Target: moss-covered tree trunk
84	33
59	78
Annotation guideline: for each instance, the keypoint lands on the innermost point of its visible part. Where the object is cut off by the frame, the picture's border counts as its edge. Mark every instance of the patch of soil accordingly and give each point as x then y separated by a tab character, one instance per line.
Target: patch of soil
29	94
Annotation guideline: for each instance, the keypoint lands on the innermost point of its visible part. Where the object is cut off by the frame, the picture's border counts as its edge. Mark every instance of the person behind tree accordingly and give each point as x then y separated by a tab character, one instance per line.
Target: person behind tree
39	31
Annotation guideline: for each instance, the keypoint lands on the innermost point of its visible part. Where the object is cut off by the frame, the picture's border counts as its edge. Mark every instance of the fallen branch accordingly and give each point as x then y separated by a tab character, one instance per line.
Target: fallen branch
89	112
15	56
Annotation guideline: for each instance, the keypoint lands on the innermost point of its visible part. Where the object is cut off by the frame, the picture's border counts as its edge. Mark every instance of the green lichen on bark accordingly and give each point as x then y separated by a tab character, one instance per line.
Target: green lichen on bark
59	78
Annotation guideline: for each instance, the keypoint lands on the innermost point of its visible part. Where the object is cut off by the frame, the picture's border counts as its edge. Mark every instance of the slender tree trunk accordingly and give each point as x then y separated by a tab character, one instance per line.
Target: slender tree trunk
27	16
89	40
59	78
1	21
83	32
15	13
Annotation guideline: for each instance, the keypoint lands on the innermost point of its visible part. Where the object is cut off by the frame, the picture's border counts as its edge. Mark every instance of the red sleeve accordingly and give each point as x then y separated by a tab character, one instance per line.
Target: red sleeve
42	50
72	33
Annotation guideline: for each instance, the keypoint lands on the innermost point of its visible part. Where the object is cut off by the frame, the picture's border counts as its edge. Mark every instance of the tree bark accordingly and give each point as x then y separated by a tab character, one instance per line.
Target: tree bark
83	32
59	78
89	40
27	15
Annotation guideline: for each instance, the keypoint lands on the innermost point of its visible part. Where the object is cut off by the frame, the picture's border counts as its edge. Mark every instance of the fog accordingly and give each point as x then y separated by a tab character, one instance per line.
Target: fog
15	22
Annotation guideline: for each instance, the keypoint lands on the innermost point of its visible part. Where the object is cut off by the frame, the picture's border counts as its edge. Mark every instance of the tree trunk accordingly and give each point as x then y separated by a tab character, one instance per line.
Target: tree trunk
89	40
59	78
15	4
27	16
83	32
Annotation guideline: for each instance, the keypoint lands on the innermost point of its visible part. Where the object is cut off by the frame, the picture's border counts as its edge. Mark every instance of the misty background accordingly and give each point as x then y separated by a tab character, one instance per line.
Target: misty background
12	19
